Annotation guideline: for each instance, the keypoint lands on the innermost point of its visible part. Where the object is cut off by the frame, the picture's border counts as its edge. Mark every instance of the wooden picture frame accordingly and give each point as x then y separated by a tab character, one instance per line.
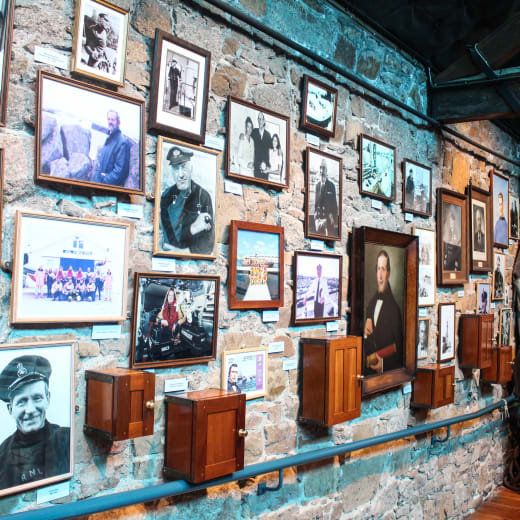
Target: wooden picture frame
377	173
500	196
427	260
505	327
6	36
513	217
245	371
308	282
38	377
185	226
386	341
256	256
452	265
446	336
182	331
480	230
323	195
483	295
319	107
69	270
417	188
499	276
423	327
251	154
81	154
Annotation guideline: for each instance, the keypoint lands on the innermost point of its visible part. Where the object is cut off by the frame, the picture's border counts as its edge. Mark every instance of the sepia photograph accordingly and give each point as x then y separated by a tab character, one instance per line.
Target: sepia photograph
480	243
6	31
424	335
500	193
417	188
505	327
377	177
245	371
427	261
499	276
483	297
513	217
446	326
319	105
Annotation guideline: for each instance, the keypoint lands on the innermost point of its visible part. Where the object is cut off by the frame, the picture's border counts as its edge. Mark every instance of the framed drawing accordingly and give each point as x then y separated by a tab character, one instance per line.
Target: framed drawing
384	305
505	327
245	371
319	105
424	336
499	276
179	92
513	217
256	265
427	260
483	297
37	415
417	188
99	46
89	136
377	177
185	195
480	231
323	195
6	34
452	265
69	269
500	194
317	297
446	328
175	320
257	144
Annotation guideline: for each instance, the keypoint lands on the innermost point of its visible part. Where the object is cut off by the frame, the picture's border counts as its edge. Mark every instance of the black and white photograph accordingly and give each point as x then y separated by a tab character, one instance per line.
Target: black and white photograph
185	200
99	48
6	30
500	193
427	260
245	371
37	412
513	217
319	107
377	177
423	337
480	232
174	320
483	297
505	327
317	297
479	238
89	136
446	327
257	144
452	233
323	195
499	276
417	188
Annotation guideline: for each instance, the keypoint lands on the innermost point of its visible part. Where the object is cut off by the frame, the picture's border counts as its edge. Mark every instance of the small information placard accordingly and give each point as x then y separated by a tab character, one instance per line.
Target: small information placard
179	384
276	346
480	263
423	312
377	204
290	364
106	331
49	493
317	245
215	142
232	187
165	265
407	388
453	276
493	305
270	316
460	294
52	57
408	217
312	139
332	326
130	210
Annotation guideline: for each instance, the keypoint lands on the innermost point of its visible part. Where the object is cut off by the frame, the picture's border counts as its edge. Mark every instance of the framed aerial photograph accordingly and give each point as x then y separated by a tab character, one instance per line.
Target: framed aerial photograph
6	34
69	269
446	326
480	230
499	276
417	188
37	390
323	195
377	177
424	336
505	327
185	200
513	217
99	47
452	265
89	136
317	297
483	297
319	106
257	144
175	320
179	92
384	305
500	194
427	261
245	371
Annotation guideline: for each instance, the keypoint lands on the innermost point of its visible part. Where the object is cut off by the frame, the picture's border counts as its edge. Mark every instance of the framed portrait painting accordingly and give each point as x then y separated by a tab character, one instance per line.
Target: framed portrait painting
424	336
99	47
323	195
483	297
6	34
513	217
480	231
384	305
179	92
88	136
37	390
69	269
257	144
245	371
446	328
499	276
175	320
417	188
185	200
317	297
427	260
500	194
319	105
505	327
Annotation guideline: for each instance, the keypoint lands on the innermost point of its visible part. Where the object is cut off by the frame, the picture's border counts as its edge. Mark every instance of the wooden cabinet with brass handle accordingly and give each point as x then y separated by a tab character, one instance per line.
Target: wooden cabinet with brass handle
501	369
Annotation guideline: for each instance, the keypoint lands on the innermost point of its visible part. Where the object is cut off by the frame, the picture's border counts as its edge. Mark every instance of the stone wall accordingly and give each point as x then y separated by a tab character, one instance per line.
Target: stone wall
405	479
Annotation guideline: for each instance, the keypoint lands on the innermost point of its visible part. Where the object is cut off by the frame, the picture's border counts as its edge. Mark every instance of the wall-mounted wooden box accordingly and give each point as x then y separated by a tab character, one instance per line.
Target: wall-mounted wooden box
205	433
120	403
476	340
331	379
501	370
434	385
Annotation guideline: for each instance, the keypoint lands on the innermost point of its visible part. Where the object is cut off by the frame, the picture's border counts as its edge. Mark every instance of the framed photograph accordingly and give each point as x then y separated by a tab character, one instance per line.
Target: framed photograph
377	178
384	305
185	200
256	265
257	144
245	371
480	231
446	328
483	297
317	297
417	188
69	269
175	320
89	136
99	47
500	194
1	198
505	327
452	265
6	34
319	106
37	415
499	276
427	260
323	195
513	217
424	336
179	92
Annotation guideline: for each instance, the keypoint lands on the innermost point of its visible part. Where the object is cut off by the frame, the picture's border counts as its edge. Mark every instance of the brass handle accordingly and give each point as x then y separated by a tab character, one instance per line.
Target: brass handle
360	377
510	362
150	405
242	433
453	384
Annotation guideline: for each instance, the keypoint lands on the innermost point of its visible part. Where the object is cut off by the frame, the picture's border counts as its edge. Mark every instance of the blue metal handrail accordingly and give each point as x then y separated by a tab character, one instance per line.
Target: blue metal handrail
91	506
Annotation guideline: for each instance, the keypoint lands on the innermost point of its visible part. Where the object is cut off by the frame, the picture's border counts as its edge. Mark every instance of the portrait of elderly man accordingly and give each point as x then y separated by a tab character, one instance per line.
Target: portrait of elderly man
325	204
